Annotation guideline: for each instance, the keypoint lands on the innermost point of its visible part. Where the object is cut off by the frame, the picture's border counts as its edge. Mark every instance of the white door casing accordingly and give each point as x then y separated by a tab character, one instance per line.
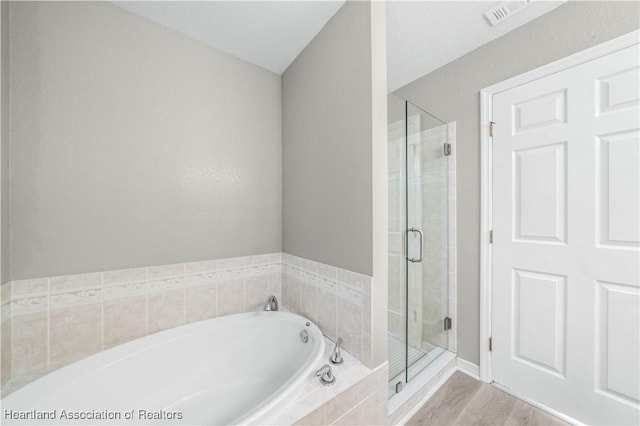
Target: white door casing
565	300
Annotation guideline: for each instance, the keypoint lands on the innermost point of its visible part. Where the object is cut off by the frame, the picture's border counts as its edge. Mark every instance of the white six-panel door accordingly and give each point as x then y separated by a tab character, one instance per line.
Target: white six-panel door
566	212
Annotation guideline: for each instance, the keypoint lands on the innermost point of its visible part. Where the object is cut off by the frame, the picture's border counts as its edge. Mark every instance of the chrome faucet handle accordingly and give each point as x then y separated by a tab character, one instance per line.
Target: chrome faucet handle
336	356
326	375
271	304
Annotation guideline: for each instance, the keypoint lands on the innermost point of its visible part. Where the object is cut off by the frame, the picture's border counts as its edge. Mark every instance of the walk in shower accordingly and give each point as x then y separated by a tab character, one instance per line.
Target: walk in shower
419	212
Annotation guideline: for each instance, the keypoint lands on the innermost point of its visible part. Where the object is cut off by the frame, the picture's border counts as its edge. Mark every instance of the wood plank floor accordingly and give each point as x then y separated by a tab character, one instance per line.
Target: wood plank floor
463	400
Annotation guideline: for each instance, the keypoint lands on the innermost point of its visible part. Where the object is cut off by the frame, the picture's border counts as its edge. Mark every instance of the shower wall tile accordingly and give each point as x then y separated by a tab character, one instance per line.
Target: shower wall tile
50	322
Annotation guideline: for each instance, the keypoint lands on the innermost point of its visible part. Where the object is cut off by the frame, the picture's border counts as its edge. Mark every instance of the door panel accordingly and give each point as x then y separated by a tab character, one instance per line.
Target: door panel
566	253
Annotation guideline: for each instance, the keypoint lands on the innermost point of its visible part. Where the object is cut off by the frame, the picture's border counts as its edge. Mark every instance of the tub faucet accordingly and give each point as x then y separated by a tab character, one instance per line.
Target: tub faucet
326	375
336	356
271	304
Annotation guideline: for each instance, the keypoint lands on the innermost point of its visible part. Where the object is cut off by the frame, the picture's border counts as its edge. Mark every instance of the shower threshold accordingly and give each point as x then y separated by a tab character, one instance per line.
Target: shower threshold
421	386
418	359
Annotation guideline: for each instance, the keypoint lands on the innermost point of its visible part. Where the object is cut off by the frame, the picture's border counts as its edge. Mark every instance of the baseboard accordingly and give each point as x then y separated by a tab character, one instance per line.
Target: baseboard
468	368
542	407
473	370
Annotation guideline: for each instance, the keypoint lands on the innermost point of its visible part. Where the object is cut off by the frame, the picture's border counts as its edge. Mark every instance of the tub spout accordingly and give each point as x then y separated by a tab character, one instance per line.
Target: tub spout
271	304
336	356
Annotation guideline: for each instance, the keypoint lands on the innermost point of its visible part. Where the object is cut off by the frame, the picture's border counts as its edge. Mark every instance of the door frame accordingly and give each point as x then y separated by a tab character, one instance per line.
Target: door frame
486	171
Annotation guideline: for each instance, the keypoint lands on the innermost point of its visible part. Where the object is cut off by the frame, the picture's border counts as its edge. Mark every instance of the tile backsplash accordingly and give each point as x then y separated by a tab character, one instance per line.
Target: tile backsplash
50	322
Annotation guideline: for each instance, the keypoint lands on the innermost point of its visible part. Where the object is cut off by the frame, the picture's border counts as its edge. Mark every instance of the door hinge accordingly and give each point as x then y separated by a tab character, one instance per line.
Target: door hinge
491	237
490	344
447	149
447	323
491	123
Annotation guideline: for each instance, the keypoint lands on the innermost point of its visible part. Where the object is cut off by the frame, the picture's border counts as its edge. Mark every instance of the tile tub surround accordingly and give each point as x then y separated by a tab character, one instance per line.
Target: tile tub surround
337	300
55	321
52	322
357	398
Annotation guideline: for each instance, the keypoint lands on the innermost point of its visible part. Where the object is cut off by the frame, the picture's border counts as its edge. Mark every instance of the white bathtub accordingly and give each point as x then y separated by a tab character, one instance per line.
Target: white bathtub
227	370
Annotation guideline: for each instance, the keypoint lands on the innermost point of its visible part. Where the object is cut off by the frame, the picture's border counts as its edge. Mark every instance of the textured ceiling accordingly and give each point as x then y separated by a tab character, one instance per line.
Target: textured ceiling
421	35
267	33
425	35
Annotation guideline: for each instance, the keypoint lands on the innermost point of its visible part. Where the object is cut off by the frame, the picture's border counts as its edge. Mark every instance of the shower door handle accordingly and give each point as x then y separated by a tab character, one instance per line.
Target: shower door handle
419	259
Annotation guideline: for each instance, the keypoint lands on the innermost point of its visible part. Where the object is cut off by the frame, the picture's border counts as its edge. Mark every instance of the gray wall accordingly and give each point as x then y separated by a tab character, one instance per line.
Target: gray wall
326	146
4	143
134	145
452	93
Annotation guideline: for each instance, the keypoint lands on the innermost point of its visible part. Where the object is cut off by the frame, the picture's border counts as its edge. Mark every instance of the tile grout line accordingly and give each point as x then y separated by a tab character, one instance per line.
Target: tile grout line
146	299
102	311
48	344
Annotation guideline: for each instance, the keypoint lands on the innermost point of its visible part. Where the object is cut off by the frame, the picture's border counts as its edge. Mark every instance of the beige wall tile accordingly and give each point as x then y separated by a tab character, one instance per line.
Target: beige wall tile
125	276
327	271
28	343
366	313
327	314
309	265
291	294
166	310
67	282
74	297
124	320
75	333
365	413
275	285
5	293
231	263
315	418
341	404
367	354
367	386
256	293
5	351
230	297
75	328
200	267
309	302
350	278
27	287
349	320
200	302
165	271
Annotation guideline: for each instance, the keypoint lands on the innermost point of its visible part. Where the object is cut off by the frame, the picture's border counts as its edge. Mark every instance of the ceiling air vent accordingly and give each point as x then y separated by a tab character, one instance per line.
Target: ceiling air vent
504	10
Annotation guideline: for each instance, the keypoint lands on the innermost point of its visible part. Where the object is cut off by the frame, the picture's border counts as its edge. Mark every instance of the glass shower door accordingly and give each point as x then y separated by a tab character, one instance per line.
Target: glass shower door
426	238
418	285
